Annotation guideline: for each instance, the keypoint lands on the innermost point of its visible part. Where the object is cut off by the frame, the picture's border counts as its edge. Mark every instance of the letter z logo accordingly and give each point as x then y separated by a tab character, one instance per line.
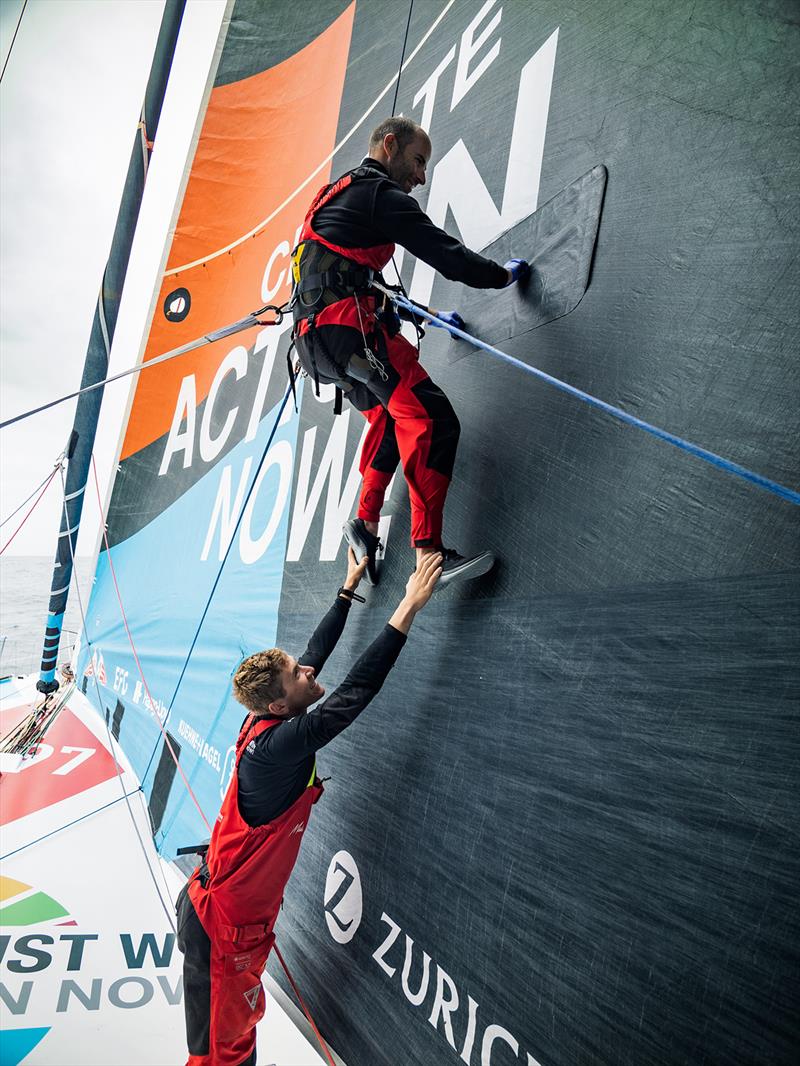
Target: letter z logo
343	898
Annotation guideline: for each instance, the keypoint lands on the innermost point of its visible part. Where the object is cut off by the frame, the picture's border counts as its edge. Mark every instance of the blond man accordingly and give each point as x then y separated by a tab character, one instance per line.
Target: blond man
228	908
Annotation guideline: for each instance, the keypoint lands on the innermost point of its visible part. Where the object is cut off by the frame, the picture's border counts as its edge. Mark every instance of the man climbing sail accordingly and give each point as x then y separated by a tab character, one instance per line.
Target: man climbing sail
228	908
344	334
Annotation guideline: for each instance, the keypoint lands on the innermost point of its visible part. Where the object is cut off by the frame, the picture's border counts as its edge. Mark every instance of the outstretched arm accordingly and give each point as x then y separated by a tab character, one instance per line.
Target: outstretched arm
326	636
401	219
301	736
419	589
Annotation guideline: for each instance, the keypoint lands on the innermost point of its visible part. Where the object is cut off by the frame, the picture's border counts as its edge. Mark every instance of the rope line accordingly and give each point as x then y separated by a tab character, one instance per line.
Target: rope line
136	656
117	767
296	990
670	438
13	39
69	825
44	489
248	322
26	500
402	57
224	561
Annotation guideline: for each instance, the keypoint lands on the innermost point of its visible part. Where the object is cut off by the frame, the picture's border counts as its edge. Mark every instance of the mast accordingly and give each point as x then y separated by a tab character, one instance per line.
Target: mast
81	443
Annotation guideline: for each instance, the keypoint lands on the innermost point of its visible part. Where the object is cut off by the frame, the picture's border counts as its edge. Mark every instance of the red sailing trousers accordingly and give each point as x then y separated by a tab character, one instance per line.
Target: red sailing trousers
223	995
410	418
226	914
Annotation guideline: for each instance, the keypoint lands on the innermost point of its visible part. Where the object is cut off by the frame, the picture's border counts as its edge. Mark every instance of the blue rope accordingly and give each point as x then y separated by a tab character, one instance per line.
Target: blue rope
687	446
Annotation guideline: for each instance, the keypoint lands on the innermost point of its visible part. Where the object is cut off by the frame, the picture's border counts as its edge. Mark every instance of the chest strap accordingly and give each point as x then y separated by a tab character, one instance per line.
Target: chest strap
346	281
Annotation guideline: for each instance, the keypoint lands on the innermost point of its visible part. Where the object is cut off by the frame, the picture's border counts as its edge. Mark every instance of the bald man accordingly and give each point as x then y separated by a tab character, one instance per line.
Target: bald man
346	334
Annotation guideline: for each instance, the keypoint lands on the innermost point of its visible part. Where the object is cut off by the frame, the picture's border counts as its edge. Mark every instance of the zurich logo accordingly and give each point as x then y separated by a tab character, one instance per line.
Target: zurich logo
343	899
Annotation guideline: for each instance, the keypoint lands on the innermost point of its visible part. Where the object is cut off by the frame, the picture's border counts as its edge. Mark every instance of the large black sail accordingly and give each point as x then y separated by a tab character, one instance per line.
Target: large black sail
563	832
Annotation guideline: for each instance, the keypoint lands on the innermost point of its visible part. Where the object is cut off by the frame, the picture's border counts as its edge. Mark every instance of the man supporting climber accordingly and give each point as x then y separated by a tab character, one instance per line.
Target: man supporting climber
227	910
344	334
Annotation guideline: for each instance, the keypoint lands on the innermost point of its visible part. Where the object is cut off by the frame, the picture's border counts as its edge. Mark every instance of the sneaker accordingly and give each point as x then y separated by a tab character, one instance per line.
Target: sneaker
363	543
456	568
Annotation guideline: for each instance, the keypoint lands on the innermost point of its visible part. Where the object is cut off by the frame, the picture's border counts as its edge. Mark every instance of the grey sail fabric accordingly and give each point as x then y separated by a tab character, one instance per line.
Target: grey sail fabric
564	832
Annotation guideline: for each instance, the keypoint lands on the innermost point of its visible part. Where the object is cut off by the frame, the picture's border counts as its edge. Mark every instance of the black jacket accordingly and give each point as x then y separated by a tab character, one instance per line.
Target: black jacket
374	211
275	767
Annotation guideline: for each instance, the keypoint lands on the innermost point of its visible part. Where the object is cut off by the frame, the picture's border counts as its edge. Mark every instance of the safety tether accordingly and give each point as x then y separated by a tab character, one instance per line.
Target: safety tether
247	322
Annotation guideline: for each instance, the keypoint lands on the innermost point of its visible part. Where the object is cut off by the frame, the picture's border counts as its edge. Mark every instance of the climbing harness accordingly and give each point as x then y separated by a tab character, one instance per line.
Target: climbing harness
325	278
325	274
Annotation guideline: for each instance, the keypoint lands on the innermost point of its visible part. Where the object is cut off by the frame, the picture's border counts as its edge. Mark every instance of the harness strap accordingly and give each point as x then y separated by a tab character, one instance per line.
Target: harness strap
290	369
337	396
332	279
312	336
203	874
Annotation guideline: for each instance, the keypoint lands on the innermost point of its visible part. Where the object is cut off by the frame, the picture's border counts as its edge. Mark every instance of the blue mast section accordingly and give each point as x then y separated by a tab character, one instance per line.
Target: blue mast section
95	368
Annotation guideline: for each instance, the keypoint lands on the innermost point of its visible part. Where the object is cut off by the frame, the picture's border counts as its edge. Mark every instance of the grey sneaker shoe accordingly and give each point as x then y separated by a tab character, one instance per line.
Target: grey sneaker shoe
456	568
363	543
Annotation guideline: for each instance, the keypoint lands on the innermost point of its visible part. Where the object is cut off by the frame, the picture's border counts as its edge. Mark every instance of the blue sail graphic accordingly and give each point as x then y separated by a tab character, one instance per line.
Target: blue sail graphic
165	586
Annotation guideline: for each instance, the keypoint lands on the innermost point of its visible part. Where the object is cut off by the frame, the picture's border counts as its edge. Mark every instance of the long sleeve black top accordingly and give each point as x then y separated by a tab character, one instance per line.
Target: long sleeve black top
275	768
374	211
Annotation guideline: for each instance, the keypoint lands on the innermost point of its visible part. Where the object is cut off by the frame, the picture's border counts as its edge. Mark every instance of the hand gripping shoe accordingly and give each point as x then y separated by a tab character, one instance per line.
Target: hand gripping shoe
363	543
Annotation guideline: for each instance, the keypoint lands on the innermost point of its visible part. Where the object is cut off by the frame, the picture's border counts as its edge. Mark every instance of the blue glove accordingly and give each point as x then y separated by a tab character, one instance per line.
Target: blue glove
520	269
447	318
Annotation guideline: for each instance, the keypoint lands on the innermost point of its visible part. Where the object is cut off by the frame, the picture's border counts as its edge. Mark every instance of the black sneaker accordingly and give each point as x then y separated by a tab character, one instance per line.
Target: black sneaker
363	543
456	568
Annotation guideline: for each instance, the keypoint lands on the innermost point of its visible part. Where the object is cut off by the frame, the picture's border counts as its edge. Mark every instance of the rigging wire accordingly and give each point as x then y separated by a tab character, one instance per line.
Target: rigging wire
13	39
17	509
150	703
670	438
61	828
117	767
306	1011
248	322
44	488
402	57
242	510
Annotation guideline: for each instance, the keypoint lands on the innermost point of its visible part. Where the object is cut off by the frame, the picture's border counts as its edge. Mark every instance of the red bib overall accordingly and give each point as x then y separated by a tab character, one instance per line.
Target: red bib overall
237	904
375	257
410	418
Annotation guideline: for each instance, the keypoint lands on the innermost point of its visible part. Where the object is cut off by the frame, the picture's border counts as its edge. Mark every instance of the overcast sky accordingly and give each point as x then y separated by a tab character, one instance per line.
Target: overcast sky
69	104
